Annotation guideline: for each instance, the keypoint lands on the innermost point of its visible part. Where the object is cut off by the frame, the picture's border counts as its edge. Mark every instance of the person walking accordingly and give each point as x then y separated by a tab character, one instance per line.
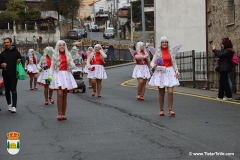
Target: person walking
43	66
225	67
141	70
31	67
62	78
8	60
165	75
96	71
85	70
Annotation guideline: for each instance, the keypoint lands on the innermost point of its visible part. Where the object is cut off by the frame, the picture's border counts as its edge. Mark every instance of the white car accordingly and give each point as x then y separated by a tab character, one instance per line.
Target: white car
109	33
94	28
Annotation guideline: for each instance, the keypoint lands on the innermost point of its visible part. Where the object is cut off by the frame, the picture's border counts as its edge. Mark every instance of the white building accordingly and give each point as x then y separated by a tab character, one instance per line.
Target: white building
183	22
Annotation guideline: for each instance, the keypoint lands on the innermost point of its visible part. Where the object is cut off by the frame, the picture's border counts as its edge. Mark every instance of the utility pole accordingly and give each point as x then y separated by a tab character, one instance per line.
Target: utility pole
154	24
92	20
114	7
143	23
131	25
118	31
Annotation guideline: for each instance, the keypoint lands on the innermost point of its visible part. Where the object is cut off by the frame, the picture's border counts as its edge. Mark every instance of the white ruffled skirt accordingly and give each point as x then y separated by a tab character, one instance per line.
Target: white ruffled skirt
98	73
63	80
32	69
42	76
164	79
141	71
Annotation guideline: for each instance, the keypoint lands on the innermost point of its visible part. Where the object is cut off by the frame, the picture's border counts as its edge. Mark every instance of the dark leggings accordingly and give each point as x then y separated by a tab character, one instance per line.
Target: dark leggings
10	84
224	86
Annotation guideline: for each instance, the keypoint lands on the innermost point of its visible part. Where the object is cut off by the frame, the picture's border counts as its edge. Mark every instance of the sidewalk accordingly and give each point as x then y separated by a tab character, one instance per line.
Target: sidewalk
123	41
185	90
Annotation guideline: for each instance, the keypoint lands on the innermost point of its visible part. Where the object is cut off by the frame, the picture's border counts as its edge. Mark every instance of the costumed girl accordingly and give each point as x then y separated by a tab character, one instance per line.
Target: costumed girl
31	67
141	70
61	77
89	51
165	75
43	66
96	71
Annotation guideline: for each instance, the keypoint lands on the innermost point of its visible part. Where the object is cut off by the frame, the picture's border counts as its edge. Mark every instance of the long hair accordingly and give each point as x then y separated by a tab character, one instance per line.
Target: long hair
227	44
159	49
56	59
138	49
89	51
45	54
94	51
30	56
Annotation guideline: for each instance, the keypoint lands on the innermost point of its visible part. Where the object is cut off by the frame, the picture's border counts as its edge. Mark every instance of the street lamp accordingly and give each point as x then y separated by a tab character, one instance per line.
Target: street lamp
58	22
34	39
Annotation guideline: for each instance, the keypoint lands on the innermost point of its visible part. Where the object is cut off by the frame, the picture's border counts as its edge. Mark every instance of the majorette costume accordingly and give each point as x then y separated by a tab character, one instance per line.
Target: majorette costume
95	61
85	70
141	70
44	64
31	63
165	78
62	77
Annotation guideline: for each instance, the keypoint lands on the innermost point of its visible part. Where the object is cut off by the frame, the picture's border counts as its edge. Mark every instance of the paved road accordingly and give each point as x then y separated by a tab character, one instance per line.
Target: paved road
117	126
99	37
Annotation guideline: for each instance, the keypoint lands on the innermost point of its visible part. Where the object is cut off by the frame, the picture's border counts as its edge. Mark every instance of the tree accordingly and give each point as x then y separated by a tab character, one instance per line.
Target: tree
70	8
8	16
55	5
65	7
32	14
15	6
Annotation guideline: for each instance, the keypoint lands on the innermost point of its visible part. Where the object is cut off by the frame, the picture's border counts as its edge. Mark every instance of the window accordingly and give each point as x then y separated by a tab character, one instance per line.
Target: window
230	11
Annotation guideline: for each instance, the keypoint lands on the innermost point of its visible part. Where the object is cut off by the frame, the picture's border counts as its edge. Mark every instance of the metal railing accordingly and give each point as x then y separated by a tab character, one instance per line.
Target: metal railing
199	69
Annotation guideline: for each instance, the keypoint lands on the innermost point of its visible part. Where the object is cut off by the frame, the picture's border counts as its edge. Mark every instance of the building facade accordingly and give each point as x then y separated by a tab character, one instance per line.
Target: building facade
223	18
184	23
85	11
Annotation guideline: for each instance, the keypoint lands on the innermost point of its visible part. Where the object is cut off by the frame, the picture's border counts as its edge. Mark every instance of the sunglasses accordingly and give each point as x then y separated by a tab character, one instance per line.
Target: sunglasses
164	42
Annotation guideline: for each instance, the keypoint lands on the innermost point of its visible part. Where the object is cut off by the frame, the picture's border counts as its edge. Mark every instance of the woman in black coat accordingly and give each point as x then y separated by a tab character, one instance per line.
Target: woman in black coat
225	66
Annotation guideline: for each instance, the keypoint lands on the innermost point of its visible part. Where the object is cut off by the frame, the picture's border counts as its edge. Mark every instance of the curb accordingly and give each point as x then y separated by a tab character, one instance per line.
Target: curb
129	84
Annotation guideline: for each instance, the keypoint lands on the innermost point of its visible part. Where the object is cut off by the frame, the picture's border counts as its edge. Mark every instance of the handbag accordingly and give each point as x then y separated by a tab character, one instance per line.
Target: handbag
161	68
235	59
21	75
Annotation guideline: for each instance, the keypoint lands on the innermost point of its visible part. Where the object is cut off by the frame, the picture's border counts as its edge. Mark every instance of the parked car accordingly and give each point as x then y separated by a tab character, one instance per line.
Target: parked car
73	34
82	33
94	28
109	33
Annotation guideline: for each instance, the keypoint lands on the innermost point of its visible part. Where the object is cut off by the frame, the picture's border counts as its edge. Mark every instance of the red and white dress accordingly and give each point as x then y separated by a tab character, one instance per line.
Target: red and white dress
62	77
141	70
85	70
168	78
44	64
31	65
96	63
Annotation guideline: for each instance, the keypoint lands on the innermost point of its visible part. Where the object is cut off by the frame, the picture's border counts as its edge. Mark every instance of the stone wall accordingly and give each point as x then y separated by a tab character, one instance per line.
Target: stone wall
26	36
137	36
223	19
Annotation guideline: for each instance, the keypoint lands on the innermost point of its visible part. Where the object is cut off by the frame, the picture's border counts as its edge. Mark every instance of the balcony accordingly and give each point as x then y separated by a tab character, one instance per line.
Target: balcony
101	14
148	5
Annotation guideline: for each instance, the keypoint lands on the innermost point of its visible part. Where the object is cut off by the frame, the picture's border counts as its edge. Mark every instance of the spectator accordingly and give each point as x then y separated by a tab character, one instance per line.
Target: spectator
8	60
225	67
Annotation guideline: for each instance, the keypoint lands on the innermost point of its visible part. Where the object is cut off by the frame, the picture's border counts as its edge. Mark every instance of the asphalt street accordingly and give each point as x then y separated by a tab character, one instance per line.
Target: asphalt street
117	126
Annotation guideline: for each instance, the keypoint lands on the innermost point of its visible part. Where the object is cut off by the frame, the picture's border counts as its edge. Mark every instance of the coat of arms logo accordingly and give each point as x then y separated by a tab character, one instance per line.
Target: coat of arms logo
13	142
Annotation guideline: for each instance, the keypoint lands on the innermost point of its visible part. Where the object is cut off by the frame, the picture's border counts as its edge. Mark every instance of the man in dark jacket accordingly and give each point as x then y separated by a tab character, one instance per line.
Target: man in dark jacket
8	60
